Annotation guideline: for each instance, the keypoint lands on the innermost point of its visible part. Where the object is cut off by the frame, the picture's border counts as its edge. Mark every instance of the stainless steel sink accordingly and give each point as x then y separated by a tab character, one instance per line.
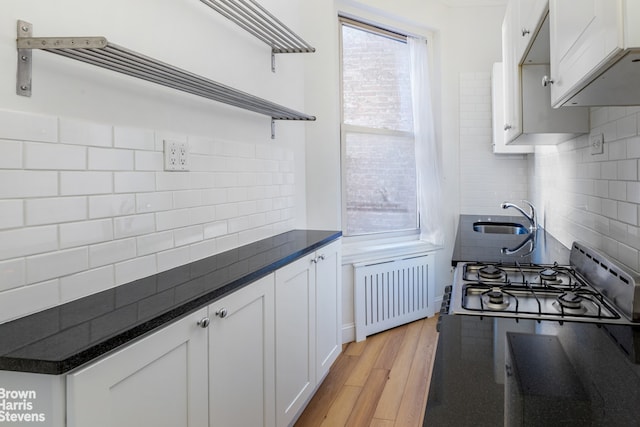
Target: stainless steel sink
491	227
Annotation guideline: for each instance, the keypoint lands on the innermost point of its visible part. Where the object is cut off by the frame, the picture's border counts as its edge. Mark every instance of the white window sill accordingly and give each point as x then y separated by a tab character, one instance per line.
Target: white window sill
360	249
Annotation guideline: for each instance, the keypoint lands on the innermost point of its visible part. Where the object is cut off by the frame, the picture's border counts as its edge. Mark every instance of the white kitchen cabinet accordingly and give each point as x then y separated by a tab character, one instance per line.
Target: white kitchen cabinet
529	117
252	358
328	307
497	114
529	20
241	357
295	337
308	339
595	49
159	380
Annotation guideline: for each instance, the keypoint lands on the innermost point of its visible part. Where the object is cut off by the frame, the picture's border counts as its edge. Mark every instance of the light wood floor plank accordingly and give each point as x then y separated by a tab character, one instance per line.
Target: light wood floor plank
392	394
411	408
317	410
365	406
360	373
341	410
380	382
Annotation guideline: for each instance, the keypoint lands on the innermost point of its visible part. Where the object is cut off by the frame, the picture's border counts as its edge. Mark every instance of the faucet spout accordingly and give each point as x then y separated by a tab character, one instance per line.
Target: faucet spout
531	216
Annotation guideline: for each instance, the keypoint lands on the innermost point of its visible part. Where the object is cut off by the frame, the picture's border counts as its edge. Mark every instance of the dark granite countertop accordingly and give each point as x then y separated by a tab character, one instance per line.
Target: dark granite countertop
468	382
59	339
474	246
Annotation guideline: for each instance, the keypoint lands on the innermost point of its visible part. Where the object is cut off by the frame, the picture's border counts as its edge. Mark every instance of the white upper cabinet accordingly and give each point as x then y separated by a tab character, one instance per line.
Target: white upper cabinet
529	118
595	52
497	114
530	13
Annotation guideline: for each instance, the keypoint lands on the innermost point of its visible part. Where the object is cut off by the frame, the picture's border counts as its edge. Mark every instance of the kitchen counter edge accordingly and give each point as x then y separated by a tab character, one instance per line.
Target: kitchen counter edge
29	346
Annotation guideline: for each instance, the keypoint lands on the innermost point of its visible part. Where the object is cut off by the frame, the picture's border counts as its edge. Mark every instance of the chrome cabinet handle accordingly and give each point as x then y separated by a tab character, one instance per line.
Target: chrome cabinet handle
204	322
507	126
317	259
546	81
525	32
222	313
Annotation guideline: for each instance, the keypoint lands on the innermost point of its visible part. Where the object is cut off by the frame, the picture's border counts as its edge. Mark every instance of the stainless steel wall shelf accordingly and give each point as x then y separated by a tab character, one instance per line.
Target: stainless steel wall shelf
100	52
256	20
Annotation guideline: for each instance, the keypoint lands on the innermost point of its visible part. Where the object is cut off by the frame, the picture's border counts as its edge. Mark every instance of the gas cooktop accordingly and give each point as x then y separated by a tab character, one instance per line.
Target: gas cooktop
593	288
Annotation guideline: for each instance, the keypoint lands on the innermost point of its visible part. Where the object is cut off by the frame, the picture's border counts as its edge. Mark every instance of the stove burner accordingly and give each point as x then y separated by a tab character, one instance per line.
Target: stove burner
496	296
570	303
548	274
495	299
490	272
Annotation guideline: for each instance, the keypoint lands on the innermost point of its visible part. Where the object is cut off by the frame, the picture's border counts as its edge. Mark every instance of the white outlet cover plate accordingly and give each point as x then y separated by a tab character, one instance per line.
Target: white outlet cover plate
176	156
597	143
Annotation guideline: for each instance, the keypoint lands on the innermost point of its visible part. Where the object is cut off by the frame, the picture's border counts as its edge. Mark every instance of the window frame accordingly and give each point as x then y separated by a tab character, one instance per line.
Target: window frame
345	128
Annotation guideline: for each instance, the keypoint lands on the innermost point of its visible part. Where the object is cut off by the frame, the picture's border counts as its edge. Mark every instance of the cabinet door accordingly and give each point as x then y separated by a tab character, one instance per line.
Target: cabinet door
295	338
583	34
511	74
328	307
241	354
160	380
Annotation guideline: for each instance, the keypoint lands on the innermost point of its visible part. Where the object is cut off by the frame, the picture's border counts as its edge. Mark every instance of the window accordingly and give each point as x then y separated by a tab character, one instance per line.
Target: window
378	145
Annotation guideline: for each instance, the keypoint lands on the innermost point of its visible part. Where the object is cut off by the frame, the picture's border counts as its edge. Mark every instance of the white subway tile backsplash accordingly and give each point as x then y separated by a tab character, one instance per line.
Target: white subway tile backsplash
627	126
150	161
133	225
86	182
55	210
202	214
24	300
628	170
112	252
110	159
154	202
28	127
226	211
134	269
202	249
132	182
86	233
11	154
153	243
111	205
187	198
86	206
11	214
22	184
173	258
172	219
80	132
57	264
28	241
166	181
12	273
134	138
609	170
86	283
215	229
38	155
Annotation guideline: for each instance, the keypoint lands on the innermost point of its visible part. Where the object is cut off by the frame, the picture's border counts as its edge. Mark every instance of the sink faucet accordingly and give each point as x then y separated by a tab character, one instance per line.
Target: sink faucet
531	216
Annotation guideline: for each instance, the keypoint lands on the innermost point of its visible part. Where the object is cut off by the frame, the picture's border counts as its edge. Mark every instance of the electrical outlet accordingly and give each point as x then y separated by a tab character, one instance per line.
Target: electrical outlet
597	144
176	156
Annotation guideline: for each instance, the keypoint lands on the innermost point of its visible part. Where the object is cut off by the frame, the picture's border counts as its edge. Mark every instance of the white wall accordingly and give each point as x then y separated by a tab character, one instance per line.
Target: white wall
84	202
593	198
486	179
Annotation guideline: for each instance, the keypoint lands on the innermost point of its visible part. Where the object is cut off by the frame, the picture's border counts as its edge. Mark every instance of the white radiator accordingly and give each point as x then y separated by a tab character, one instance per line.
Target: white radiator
393	292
